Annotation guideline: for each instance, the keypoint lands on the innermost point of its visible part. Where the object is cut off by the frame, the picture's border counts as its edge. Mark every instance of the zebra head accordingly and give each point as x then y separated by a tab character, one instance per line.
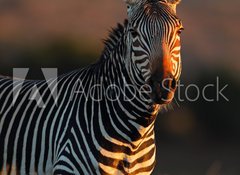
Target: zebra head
154	45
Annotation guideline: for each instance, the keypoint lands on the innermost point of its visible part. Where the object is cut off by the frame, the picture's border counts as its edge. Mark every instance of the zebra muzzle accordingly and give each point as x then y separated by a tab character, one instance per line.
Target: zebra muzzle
163	91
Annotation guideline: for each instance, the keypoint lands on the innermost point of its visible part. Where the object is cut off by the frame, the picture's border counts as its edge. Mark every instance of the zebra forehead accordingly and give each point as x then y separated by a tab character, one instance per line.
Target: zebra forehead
153	7
156	8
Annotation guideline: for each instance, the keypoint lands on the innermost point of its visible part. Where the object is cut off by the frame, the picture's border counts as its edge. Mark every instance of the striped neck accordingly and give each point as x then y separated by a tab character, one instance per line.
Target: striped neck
115	69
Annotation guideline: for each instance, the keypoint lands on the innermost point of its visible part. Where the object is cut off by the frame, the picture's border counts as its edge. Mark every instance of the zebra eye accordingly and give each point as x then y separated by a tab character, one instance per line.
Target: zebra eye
180	30
134	32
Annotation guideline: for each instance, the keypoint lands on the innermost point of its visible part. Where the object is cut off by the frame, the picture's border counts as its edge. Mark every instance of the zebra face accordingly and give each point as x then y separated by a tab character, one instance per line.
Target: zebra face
154	39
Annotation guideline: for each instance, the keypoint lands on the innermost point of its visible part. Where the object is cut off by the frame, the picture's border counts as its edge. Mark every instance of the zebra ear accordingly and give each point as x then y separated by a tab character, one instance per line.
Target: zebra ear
174	1
130	3
173	4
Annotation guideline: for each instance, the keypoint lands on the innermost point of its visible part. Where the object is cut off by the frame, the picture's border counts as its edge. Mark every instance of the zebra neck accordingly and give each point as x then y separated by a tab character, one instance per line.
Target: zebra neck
117	93
117	102
122	117
113	73
117	71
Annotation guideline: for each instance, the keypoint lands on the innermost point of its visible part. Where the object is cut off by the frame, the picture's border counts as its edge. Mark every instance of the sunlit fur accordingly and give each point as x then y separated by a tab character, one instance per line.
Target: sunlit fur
81	136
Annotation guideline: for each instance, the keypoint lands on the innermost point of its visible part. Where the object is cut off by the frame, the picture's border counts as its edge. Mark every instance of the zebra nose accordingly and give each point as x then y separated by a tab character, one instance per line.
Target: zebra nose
170	83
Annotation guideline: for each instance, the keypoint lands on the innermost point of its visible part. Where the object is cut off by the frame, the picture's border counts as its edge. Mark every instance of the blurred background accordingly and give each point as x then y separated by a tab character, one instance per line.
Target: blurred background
198	137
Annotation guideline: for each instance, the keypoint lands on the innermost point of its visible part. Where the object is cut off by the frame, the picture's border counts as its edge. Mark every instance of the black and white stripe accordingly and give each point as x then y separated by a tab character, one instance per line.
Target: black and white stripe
83	133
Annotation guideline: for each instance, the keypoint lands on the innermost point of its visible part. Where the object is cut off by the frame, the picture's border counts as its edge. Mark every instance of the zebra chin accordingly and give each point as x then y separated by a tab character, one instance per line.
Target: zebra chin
164	97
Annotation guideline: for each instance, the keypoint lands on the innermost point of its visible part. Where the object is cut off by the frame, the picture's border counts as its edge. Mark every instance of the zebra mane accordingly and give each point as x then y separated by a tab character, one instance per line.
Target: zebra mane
113	39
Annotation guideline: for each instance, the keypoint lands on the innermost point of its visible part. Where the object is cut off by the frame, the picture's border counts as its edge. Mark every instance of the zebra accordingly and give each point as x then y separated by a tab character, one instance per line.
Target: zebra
110	131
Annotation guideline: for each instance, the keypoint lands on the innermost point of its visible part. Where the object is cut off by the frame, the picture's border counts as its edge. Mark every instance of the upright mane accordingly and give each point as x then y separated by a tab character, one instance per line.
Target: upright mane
113	39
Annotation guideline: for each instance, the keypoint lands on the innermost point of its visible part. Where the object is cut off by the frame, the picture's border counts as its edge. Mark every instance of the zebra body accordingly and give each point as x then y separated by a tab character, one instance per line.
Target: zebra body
100	122
55	135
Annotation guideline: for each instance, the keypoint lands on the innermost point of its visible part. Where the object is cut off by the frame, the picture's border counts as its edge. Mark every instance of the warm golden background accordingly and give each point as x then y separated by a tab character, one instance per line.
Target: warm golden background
197	138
